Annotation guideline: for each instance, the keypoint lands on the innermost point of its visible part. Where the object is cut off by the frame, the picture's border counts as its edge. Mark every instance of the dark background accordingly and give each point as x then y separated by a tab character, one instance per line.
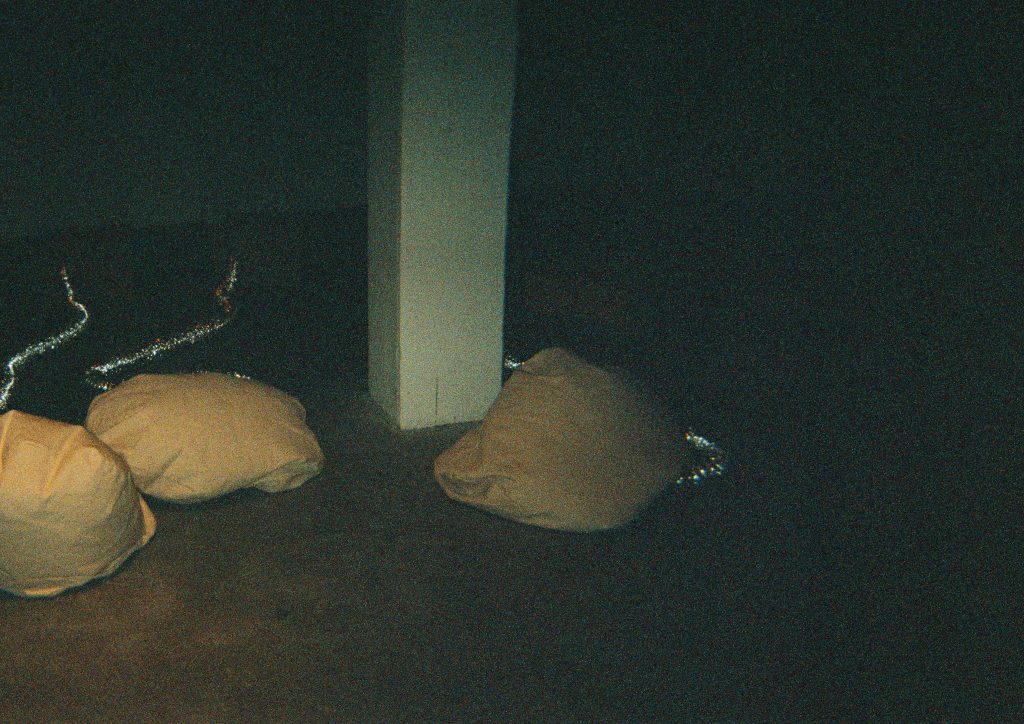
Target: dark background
799	222
781	215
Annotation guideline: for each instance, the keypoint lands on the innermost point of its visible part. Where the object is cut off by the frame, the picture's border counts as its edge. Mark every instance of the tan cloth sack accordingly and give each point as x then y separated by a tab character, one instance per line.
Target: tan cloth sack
192	437
566	445
68	510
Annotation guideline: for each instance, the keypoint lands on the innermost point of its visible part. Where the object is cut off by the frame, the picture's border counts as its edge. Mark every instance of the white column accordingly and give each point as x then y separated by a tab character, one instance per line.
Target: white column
440	85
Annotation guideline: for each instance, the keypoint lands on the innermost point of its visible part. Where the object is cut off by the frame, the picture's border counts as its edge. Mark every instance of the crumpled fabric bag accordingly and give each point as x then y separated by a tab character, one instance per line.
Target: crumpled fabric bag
68	510
192	437
566	445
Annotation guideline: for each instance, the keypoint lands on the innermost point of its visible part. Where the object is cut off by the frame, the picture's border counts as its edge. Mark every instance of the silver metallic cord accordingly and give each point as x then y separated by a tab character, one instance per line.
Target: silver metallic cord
45	345
713	464
95	375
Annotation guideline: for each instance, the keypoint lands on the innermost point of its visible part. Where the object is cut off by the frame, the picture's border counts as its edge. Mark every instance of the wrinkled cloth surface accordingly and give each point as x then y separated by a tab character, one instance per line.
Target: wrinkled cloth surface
68	510
566	445
193	437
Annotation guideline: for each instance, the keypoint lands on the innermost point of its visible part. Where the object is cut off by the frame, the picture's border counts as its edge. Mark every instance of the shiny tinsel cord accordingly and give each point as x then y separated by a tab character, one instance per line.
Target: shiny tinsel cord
46	345
713	464
95	375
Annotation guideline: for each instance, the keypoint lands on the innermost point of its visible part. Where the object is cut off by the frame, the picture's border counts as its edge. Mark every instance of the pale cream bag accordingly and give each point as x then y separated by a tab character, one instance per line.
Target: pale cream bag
68	510
566	445
192	437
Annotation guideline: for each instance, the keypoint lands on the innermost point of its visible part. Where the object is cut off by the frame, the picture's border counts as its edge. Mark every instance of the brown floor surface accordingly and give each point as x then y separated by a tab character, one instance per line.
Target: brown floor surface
367	595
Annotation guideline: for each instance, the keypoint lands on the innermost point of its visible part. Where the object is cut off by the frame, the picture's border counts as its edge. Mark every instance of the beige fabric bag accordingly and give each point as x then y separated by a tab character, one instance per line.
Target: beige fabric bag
566	445
68	511
192	437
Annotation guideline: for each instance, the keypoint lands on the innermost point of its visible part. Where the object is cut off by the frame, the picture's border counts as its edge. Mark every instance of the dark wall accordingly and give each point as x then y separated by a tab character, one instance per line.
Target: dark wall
803	224
797	189
163	112
727	138
785	188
